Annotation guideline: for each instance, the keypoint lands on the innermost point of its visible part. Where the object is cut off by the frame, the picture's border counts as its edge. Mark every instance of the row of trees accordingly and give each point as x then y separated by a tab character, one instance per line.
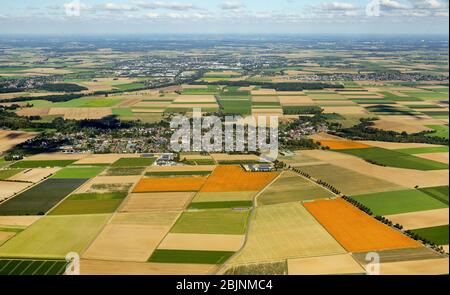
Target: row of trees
283	86
366	131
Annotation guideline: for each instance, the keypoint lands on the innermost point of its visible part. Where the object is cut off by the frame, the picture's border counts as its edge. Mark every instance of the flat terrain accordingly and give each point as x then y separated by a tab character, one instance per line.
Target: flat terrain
355	230
396	202
55	236
171	184
214	221
40	198
342	264
285	231
291	187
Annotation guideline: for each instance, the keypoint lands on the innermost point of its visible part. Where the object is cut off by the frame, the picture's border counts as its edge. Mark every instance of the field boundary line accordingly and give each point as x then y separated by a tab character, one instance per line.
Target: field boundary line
247	232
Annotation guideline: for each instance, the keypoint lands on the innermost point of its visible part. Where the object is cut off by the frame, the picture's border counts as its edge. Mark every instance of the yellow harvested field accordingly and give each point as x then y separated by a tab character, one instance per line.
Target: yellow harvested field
264	99
4	236
34	175
148	111
264	92
128	102
9	139
343	264
345	110
195	98
202	242
298	93
104	158
325	136
9	189
194	86
285	231
131	237
81	113
98	267
407	178
410	124
28	112
438	157
152	104
194	105
18	220
267	112
422	219
57	156
295	100
46	71
181	168
416	267
147	202
396	145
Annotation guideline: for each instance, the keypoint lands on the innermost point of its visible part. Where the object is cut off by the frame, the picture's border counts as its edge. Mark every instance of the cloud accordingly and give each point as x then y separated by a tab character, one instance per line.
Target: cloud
165	5
393	5
430	4
339	6
232	5
117	7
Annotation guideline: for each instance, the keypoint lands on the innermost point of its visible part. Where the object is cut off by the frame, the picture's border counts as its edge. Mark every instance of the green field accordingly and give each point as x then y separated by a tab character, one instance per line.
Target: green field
396	159
55	236
237	107
441	130
89	204
7	173
133	162
437	235
425	150
177	173
290	187
88	102
78	172
397	202
220	205
32	267
214	221
40	198
224	197
440	193
427	95
345	179
42	164
123	171
190	256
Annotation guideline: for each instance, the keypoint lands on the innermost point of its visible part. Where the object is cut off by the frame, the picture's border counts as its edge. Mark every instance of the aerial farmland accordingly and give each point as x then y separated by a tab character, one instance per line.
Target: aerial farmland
86	165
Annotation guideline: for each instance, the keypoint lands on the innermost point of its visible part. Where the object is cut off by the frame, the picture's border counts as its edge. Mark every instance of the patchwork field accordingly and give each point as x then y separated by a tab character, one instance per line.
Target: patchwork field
344	179
147	202
78	204
172	184
291	187
10	189
213	221
131	236
285	231
203	242
32	267
55	236
40	198
396	202
355	230
342	264
234	178
421	219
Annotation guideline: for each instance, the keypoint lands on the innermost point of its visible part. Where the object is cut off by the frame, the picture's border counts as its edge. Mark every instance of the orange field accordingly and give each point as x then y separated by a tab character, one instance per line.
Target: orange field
171	184
355	230
235	179
343	144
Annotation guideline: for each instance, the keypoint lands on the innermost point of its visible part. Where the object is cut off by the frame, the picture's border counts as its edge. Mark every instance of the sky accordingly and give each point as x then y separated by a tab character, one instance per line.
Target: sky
224	17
